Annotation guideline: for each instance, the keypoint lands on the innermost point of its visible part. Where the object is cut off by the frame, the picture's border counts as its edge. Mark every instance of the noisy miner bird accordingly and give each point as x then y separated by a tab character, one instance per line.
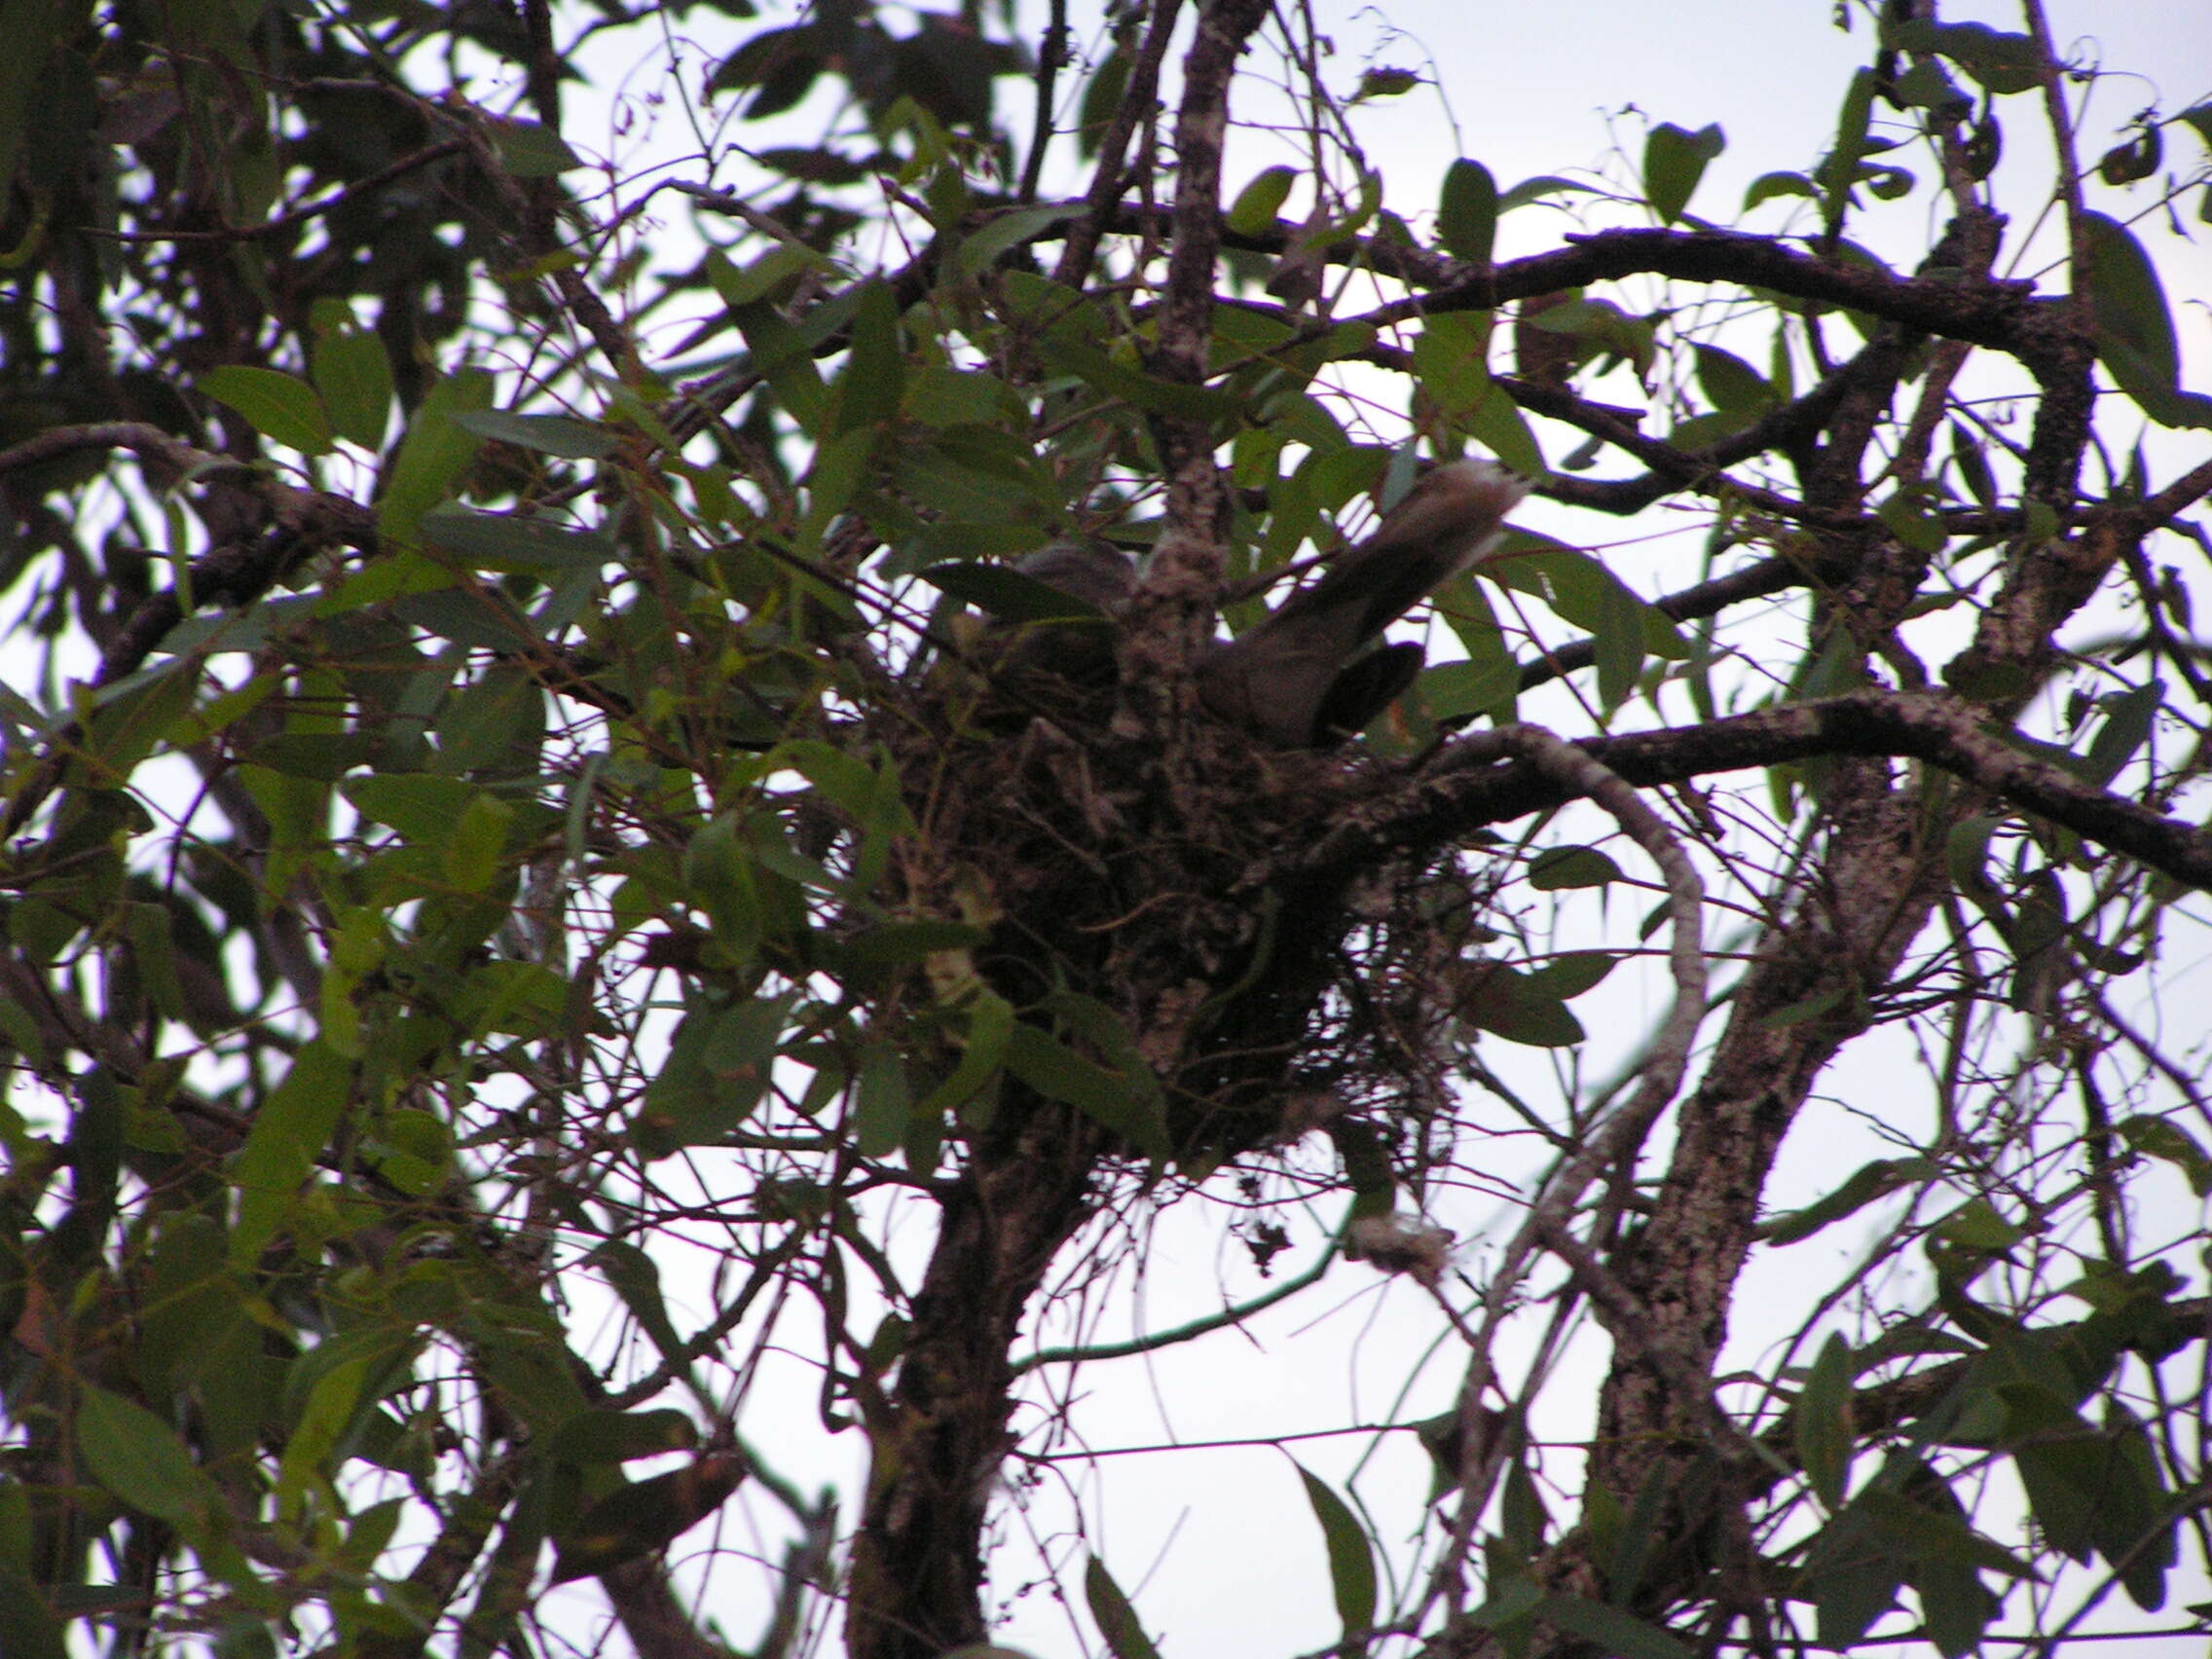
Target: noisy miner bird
1077	649
1302	676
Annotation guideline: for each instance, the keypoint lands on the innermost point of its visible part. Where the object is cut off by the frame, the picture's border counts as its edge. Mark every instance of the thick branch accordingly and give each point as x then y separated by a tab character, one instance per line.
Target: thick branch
1451	800
2002	315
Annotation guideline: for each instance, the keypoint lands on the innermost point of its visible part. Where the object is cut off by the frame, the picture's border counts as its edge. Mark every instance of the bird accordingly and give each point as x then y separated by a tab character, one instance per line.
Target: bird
1096	573
1076	647
1301	677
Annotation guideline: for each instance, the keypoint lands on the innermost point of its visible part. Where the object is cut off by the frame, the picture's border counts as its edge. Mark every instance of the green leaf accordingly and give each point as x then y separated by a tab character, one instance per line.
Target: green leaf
282	408
1851	1580
1821	1423
1975	1224
1132	385
1544	184
1618	639
496	722
352	372
1973	465
2128	717
1673	161
1768	186
2001	61
33	1632
635	1276
1870	1181
528	149
991	1028
1558	867
1008	594
1496	423
1620	1634
561	435
1118	1100
136	716
36	32
1515	1006
1731	385
332	1404
1456	690
2131	304
1955	1605
1385	83
1578	588
616	1437
1351	1559
1466	222
2164	1138
644	1515
1117	1619
471	856
433	454
1256	205
739	287
2134	327
1449	360
874	381
2133	159
1573	973
506	542
715	1074
143	1461
423	808
883	1104
1911	1528
892	943
288	1135
1911	518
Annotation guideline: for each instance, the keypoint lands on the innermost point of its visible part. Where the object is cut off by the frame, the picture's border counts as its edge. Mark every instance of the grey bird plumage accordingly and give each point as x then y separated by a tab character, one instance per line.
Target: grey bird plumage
1096	573
1299	678
1078	650
1309	674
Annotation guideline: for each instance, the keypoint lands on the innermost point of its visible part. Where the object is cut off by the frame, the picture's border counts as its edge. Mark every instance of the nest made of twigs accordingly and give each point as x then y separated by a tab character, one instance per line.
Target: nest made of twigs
1265	1005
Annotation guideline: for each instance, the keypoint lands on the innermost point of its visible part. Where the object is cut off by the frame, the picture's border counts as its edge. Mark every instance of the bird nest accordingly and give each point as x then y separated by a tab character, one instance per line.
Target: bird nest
1164	889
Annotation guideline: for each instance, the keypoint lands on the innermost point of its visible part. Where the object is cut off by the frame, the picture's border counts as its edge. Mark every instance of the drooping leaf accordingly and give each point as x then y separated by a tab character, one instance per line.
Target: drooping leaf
289	1132
2134	327
1117	1619
352	372
432	455
504	542
1351	1559
636	1520
883	1104
1821	1423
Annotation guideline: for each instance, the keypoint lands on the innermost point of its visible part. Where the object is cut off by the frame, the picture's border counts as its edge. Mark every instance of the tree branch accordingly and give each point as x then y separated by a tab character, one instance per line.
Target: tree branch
1465	788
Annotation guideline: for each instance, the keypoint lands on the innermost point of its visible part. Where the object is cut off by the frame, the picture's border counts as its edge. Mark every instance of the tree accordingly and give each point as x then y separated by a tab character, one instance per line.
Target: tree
464	871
